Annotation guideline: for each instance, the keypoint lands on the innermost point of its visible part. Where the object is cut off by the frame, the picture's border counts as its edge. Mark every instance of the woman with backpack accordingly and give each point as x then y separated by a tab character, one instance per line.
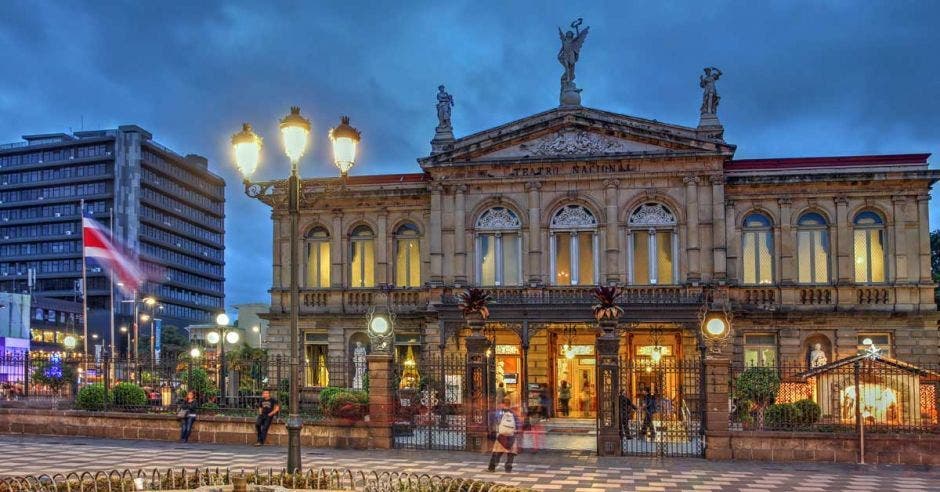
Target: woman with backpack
506	424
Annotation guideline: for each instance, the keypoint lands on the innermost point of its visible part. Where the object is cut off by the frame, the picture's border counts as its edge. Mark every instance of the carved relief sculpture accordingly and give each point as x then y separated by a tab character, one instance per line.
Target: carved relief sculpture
817	357
359	362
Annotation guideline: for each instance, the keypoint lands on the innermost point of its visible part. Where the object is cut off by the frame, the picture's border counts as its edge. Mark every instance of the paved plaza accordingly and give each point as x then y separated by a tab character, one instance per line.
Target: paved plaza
541	471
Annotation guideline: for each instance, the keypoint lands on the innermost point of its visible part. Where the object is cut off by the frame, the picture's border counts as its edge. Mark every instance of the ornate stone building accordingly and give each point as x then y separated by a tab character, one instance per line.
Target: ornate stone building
827	250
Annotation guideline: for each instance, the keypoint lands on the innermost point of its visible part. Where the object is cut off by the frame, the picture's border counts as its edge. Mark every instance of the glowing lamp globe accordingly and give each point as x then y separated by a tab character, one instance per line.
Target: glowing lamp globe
195	353
867	342
294	132
231	337
657	354
247	148
213	337
716	327
345	140
70	342
150	301
222	319
378	325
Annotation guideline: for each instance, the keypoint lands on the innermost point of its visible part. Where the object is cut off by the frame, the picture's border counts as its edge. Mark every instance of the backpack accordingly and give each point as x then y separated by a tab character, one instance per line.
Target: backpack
507	424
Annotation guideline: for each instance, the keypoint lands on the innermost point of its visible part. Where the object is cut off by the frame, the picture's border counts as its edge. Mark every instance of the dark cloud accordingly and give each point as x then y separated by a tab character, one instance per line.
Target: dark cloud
801	78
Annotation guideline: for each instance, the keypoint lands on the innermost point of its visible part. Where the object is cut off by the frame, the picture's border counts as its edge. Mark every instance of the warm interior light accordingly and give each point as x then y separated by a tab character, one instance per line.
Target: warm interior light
569	351
231	337
70	342
867	342
145	317
294	132
345	140
123	329
213	337
247	149
195	353
379	325
222	319
657	354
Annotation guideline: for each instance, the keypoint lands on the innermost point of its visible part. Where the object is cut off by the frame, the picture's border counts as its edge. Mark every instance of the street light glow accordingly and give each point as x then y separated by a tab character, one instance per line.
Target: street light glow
213	337
294	132
145	317
150	301
222	319
247	148
231	337
256	329
345	139
379	325
195	353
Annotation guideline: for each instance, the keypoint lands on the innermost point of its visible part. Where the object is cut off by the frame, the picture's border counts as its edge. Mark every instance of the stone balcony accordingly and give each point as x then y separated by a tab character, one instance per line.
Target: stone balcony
832	297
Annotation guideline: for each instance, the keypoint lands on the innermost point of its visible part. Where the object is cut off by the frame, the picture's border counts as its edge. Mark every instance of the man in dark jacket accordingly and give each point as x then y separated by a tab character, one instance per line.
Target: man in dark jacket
649	408
268	408
626	414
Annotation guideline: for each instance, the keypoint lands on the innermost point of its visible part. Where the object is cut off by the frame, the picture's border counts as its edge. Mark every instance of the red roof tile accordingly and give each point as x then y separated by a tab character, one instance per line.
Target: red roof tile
823	162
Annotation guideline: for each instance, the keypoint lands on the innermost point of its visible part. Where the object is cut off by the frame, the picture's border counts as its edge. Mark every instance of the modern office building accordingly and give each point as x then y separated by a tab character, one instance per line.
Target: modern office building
167	209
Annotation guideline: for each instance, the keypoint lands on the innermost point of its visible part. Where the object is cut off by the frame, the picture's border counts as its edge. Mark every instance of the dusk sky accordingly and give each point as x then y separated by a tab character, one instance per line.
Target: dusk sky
812	78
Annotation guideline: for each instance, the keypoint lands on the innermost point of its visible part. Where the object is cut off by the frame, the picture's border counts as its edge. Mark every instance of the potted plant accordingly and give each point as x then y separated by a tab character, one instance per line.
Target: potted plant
473	304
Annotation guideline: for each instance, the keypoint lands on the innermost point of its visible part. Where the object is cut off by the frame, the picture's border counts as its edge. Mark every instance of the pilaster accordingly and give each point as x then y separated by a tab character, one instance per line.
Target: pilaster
535	243
382	275
692	226
435	235
460	235
611	265
843	246
719	236
336	250
787	258
902	247
923	226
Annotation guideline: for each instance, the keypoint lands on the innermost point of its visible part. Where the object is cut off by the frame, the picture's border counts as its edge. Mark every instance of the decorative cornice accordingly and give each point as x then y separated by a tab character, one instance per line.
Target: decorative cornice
841	200
785	201
691	180
533	186
611	183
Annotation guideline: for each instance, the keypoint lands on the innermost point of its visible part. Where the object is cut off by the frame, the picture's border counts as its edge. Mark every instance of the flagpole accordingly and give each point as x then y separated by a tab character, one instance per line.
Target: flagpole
81	206
111	290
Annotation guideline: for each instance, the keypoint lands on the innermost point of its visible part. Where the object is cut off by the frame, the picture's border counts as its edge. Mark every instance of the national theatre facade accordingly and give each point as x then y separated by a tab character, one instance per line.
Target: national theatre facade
538	211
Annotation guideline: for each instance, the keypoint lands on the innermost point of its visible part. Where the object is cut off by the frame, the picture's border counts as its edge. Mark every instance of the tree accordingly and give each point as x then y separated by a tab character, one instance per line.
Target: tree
756	388
54	374
174	341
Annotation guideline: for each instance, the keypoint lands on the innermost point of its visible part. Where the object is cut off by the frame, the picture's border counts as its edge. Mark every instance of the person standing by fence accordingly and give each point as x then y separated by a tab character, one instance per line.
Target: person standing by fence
267	410
187	415
506	425
649	408
564	396
627	408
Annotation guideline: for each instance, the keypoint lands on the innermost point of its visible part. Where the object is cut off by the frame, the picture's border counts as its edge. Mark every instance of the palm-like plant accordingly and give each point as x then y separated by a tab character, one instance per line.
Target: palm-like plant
606	306
473	301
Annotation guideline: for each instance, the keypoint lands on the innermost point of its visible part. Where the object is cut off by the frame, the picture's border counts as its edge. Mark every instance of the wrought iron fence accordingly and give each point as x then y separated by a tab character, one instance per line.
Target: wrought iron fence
431	402
884	395
255	480
232	386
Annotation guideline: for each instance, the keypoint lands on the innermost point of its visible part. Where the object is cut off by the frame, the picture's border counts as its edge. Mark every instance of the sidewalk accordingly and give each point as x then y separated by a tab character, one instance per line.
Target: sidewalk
542	471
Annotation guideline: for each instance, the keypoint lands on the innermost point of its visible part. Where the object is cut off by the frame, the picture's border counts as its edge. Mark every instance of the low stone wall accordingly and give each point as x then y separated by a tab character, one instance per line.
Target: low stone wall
912	449
207	429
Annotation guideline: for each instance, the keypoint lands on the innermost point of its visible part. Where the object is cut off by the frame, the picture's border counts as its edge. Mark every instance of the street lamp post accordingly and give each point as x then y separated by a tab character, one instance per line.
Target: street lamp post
295	130
224	335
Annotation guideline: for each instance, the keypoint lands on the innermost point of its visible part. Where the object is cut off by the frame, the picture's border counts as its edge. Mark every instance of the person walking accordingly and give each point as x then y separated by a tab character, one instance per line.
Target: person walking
585	397
627	408
187	415
649	408
500	393
564	396
506	424
268	408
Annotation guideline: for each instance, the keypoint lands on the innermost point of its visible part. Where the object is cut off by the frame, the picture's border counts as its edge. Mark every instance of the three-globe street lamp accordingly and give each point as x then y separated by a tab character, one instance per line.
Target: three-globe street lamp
295	132
223	336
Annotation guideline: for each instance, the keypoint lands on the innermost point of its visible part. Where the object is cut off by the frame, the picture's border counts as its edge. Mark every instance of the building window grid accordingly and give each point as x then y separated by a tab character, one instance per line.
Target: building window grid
64	154
407	256
812	251
758	250
181	208
869	245
149	177
652	246
362	258
571	227
760	349
317	269
498	238
178	172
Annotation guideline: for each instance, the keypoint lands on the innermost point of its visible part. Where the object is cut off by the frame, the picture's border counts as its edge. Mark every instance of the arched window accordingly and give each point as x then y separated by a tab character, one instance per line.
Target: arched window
652	246
407	256
318	258
574	247
498	248
812	249
362	257
869	248
758	250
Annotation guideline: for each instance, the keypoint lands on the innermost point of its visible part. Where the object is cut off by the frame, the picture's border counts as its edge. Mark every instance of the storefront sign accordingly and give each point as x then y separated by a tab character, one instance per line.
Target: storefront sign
576	350
507	350
647	350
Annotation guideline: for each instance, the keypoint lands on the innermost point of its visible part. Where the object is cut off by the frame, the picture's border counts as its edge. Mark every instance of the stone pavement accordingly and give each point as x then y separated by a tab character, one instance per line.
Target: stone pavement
542	471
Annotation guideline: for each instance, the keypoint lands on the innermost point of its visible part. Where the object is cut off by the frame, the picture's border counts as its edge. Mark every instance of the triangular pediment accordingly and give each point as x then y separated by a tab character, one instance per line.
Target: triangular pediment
572	133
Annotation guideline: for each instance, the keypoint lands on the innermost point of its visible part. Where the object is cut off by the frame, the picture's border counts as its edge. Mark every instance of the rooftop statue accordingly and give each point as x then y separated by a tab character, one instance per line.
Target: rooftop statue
571	43
710	94
445	102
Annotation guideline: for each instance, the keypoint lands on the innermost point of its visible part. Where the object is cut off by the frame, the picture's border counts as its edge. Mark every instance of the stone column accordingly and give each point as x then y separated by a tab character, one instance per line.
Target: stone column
336	251
435	235
787	242
691	199
733	242
900	247
717	381
607	347
477	425
460	235
382	275
843	246
719	237
381	401
611	267
535	243
923	225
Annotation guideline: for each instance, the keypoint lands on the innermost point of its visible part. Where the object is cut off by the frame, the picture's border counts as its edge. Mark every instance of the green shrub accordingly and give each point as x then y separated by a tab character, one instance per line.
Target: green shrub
809	411
756	388
198	381
209	407
782	416
55	374
92	397
128	395
344	403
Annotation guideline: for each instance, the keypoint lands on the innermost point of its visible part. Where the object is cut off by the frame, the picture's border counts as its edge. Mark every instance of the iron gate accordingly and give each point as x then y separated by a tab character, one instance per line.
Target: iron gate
670	421
431	402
